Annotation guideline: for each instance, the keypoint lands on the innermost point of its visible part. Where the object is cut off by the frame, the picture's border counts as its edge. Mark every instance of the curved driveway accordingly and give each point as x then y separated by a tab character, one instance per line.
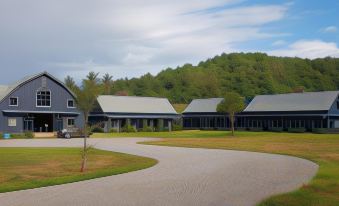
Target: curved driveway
183	176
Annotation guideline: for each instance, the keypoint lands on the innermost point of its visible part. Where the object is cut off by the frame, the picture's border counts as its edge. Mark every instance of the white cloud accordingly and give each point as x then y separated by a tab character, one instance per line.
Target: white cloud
330	29
309	49
126	37
279	43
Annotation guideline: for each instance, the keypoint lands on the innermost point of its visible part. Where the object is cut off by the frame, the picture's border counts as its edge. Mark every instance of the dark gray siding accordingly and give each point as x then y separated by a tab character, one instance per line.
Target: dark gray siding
27	102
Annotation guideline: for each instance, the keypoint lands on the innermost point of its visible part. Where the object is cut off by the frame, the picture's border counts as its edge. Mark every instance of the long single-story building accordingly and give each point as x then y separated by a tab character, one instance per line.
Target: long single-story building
202	114
308	111
38	103
114	112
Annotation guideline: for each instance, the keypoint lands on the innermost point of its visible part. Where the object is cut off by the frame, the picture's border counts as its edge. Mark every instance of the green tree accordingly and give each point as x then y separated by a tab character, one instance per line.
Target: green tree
93	76
107	83
70	83
232	104
86	97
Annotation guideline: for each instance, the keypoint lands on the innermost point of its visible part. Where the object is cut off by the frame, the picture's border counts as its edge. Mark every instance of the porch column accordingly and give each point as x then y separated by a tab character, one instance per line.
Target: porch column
109	125
152	124
144	123
170	125
160	125
119	126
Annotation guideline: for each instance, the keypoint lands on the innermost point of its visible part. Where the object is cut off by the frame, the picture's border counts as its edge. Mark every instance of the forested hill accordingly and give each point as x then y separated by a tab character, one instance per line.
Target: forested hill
249	74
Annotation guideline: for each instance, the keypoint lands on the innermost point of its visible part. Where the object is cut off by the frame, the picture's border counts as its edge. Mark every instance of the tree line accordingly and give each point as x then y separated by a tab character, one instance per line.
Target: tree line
248	74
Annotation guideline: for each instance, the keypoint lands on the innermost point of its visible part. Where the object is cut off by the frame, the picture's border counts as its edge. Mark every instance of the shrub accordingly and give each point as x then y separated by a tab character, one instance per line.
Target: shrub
147	129
18	136
29	134
296	130
320	130
128	128
177	127
113	130
98	130
255	129
1	135
276	129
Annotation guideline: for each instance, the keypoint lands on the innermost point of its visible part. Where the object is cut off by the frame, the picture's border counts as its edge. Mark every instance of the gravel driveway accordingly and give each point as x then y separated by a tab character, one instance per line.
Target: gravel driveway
183	176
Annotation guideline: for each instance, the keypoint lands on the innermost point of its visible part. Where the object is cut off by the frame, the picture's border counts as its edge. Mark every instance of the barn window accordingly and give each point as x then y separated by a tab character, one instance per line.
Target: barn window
70	122
12	122
13	101
70	103
43	98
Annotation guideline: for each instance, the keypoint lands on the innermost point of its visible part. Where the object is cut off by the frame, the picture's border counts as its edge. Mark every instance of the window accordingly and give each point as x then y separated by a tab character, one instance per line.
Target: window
13	101
12	122
338	104
70	103
43	98
70	122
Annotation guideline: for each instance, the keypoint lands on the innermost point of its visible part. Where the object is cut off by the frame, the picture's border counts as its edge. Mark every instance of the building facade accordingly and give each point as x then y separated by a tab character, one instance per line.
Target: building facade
309	111
114	112
38	103
202	114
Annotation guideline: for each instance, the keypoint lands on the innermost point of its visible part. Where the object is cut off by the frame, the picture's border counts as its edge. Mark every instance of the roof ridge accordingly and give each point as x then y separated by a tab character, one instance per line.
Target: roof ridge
298	93
134	97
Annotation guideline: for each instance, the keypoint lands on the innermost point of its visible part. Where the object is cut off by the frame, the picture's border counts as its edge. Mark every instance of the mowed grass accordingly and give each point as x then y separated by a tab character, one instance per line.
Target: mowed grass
320	148
174	134
25	168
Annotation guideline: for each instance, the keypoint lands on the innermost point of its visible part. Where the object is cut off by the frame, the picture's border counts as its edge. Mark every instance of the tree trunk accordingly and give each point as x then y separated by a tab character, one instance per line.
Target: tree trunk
84	152
232	122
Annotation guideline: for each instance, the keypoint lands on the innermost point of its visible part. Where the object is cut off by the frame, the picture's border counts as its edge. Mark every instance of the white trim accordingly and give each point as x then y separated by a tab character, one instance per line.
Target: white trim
43	112
68	118
73	104
17	102
36	98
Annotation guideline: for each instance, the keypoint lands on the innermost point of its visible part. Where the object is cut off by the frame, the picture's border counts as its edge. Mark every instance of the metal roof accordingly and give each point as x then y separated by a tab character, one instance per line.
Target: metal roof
203	105
6	90
135	105
308	101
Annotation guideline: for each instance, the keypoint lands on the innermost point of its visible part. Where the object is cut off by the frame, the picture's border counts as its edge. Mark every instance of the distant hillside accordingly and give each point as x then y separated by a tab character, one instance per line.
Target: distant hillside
249	74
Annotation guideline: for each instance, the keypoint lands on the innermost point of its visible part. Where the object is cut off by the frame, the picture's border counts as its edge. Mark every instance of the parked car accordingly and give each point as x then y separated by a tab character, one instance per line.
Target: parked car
70	133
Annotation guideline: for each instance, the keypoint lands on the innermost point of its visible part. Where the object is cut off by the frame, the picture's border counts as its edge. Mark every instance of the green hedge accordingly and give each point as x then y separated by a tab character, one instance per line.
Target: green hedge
146	129
296	130
177	127
97	130
128	128
276	129
255	129
320	130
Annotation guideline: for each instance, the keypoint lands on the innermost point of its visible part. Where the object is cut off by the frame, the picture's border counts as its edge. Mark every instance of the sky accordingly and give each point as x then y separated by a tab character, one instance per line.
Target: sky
128	38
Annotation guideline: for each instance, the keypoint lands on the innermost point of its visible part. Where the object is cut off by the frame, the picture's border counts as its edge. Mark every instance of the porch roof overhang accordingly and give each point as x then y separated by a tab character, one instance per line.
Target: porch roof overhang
137	116
39	112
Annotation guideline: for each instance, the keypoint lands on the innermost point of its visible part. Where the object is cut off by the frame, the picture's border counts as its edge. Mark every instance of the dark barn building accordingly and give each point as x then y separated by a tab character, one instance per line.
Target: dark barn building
38	103
202	114
308	111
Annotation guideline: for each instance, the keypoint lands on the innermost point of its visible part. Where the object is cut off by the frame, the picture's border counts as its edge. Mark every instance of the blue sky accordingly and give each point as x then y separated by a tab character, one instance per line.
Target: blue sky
129	38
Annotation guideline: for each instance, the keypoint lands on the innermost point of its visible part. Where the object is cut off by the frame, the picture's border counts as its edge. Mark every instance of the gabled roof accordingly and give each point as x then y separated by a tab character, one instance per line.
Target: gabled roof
203	105
7	90
135	105
308	101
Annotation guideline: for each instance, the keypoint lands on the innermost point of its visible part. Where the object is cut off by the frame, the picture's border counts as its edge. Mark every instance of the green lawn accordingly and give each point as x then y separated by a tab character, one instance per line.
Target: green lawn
25	168
174	134
320	148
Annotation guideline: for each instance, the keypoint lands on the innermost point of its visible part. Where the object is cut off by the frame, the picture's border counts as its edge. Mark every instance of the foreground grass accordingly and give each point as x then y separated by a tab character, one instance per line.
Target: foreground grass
25	168
320	148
